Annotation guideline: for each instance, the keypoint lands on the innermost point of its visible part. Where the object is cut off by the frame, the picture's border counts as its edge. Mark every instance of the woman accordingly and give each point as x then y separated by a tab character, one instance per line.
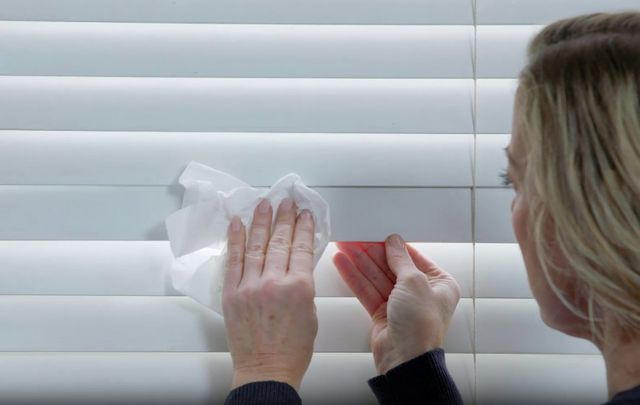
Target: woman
574	162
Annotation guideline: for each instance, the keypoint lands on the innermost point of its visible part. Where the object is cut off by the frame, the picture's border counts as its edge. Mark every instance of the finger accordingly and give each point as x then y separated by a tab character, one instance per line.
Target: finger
367	267
376	252
362	288
279	248
258	240
301	260
427	266
423	263
235	254
398	258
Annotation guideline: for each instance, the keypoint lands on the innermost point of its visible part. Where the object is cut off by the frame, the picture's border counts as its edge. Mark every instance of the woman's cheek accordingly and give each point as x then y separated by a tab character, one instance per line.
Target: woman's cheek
518	218
537	283
552	310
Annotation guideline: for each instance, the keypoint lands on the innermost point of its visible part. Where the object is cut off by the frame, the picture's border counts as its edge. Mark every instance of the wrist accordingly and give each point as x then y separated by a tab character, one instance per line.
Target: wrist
246	377
395	359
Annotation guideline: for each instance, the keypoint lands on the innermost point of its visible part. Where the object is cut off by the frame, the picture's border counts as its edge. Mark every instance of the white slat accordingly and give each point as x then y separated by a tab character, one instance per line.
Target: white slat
495	99
158	158
540	379
247	11
491	159
122	378
502	50
514	326
85	268
544	11
236	104
149	324
493	215
142	268
235	50
138	213
185	378
500	271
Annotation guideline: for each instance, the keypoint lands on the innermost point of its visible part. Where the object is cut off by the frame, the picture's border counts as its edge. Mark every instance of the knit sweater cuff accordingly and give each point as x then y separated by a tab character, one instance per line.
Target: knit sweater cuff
423	379
263	393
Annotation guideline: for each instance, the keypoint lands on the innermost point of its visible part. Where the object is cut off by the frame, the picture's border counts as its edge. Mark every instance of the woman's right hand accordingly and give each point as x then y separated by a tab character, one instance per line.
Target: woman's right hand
410	298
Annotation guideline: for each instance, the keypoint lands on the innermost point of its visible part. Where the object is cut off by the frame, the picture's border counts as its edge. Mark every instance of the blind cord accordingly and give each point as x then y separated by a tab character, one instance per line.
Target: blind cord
474	59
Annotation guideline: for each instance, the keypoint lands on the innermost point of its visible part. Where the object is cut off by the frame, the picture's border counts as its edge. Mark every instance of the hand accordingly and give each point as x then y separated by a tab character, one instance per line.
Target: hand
410	298
267	298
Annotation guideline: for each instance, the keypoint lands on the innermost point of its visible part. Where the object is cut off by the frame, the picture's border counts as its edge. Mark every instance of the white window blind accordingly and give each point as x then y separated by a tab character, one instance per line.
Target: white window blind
396	111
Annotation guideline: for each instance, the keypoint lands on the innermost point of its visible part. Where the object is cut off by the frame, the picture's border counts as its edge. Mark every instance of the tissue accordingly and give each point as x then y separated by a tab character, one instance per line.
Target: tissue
198	231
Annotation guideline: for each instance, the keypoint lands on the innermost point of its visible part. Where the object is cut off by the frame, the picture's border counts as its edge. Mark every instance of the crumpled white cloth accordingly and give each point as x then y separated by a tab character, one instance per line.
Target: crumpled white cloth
198	231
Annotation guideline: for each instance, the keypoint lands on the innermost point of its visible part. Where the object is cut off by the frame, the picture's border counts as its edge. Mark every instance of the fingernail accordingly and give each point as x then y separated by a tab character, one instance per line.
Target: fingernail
396	241
306	215
264	205
286	204
235	224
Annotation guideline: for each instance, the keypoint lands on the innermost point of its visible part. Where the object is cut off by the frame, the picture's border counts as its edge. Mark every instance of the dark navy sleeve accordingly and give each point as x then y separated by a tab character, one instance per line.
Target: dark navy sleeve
421	380
264	393
629	397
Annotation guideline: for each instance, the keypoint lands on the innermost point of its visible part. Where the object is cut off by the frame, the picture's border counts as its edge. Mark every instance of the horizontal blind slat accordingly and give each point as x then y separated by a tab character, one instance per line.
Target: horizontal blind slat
514	326
491	159
158	158
142	268
493	215
236	104
246	11
185	378
138	213
495	99
544	11
235	50
91	323
501	49
500	271
540	379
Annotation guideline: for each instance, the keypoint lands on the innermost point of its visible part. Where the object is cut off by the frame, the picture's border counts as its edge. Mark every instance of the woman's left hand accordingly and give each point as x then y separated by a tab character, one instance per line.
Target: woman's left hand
268	293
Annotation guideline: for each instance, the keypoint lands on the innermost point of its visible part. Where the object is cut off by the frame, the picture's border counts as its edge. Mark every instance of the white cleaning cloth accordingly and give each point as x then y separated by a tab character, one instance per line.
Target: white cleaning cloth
198	231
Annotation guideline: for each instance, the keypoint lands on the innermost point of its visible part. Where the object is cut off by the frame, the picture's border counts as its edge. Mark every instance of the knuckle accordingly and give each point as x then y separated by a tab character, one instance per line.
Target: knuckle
272	288
302	288
302	249
247	293
280	239
396	256
415	278
283	228
235	258
270	282
259	232
255	247
276	249
305	226
457	291
456	288
303	295
228	301
255	256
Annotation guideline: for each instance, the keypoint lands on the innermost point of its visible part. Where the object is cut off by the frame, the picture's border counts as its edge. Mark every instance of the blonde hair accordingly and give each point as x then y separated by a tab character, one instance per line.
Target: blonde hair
579	103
